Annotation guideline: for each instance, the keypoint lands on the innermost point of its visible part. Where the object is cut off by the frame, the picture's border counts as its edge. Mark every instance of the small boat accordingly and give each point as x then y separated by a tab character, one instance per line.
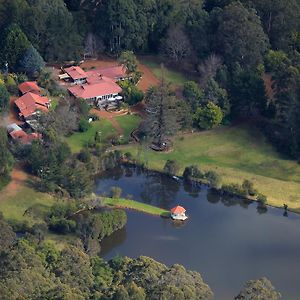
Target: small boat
176	178
178	213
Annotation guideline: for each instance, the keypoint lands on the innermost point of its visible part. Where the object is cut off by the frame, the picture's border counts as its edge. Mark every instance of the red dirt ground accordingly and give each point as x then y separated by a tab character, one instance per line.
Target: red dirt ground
268	86
148	78
18	177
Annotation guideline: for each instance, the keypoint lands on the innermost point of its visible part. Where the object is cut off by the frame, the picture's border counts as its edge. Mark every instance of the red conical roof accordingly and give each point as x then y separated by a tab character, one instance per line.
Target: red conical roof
178	210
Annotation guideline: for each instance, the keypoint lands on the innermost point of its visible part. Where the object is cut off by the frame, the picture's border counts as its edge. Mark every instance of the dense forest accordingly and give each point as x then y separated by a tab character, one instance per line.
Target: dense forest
232	47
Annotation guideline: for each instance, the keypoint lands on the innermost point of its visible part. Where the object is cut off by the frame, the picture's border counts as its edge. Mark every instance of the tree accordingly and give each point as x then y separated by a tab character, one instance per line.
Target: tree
241	37
176	46
162	116
15	44
209	116
280	20
129	61
171	167
192	94
208	69
31	62
215	94
4	98
258	289
6	159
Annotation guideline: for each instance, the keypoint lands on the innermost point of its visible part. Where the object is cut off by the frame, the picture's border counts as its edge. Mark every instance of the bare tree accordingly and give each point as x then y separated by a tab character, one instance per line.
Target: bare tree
208	68
176	46
93	45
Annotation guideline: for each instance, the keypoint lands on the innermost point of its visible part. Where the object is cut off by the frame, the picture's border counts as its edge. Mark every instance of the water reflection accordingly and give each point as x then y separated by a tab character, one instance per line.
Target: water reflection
226	239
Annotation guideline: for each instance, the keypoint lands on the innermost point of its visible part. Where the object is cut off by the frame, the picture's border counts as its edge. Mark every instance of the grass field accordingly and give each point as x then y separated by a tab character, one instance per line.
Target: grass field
174	77
78	140
135	205
14	205
236	153
128	123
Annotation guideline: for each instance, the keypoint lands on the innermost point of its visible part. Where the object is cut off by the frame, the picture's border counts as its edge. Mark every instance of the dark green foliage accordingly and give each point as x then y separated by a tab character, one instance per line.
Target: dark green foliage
241	37
163	113
248	186
258	289
7	236
192	172
214	179
84	155
171	167
209	116
132	95
192	94
31	62
234	189
84	125
14	46
6	158
262	199
4	98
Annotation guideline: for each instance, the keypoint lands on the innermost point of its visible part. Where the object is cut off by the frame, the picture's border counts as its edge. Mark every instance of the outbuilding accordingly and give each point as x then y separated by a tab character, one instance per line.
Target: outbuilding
178	213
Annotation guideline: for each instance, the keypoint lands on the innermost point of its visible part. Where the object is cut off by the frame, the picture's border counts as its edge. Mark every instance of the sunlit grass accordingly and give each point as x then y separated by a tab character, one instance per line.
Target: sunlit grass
237	153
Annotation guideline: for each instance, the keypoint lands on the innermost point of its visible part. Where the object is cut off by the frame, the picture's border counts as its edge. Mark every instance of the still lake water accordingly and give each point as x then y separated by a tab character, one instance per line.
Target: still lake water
227	240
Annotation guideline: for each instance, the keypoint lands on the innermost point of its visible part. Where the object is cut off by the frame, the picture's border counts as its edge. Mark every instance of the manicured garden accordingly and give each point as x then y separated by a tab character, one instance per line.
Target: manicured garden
236	153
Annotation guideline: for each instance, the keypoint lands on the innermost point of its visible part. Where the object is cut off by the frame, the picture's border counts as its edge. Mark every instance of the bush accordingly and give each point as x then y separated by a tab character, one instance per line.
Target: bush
234	189
192	172
62	225
209	116
11	84
249	187
214	179
171	167
116	192
128	156
84	125
262	199
84	155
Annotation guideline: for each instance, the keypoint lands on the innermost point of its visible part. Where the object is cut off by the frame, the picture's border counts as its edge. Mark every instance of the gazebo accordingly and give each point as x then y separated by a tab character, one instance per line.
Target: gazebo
178	213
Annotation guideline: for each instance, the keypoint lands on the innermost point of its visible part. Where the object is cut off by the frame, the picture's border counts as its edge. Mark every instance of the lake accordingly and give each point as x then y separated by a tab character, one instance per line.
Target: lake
227	240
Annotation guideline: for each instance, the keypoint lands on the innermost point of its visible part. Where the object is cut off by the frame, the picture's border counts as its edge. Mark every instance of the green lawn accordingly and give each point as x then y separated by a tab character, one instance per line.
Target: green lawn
14	205
135	205
78	140
174	77
237	153
54	102
128	123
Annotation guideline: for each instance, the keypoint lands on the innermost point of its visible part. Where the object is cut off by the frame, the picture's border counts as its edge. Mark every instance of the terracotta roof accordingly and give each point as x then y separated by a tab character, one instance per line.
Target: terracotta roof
113	73
76	72
101	88
29	86
30	102
178	210
24	137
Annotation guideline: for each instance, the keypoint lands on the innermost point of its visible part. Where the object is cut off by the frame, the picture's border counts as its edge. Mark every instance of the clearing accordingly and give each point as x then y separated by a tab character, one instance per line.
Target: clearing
236	153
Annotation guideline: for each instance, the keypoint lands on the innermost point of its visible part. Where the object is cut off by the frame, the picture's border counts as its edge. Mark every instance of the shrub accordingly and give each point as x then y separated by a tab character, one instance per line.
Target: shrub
84	155
214	179
234	189
62	225
84	125
262	199
171	167
192	172
116	192
209	116
249	187
11	84
128	156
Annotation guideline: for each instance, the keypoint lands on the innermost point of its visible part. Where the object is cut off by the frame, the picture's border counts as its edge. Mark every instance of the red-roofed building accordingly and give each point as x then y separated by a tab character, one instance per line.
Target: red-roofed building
18	134
29	86
77	75
30	103
115	73
178	213
102	93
